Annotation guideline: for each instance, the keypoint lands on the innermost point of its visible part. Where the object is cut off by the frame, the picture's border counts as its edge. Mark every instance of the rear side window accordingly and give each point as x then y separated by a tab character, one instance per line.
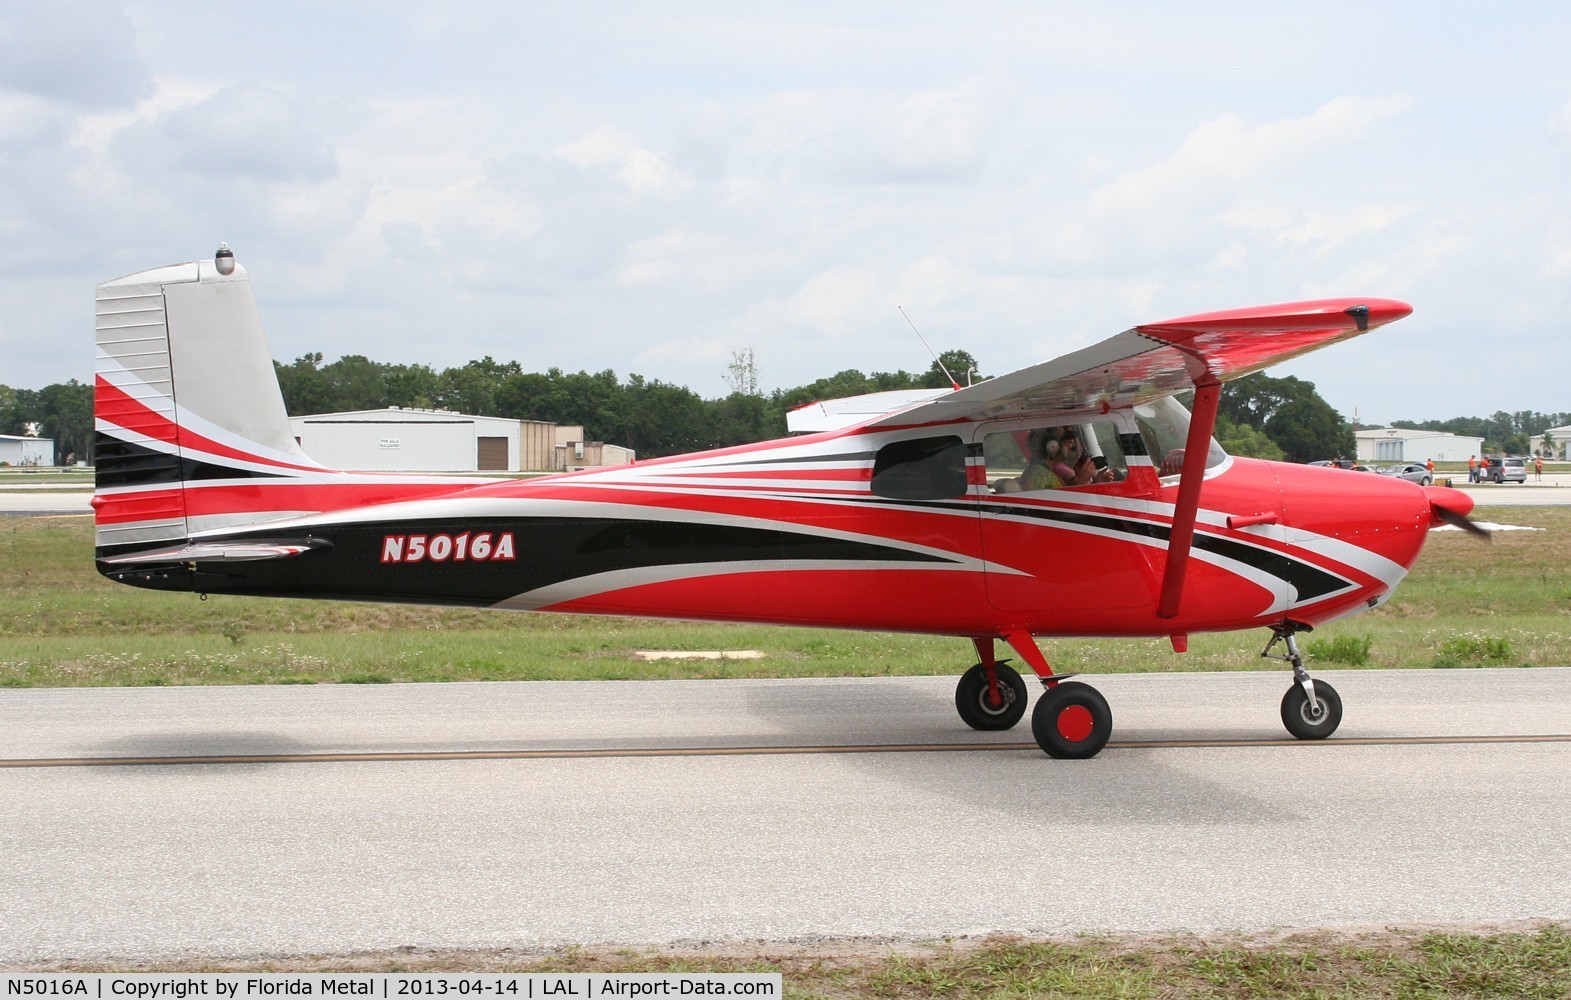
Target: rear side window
921	469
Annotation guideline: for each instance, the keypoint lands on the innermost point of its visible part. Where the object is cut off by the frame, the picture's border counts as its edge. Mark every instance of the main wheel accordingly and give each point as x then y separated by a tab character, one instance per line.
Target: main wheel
977	709
1072	721
1303	721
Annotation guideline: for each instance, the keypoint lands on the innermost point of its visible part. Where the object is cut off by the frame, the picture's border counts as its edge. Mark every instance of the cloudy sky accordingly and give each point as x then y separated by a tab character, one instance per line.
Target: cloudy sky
652	187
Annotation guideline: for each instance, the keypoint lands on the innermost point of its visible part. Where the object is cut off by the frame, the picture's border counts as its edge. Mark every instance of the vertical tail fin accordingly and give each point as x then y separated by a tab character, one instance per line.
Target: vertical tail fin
185	393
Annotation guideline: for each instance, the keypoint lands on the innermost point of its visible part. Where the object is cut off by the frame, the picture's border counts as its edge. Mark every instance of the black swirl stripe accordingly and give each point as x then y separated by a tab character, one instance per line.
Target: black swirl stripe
122	463
1310	581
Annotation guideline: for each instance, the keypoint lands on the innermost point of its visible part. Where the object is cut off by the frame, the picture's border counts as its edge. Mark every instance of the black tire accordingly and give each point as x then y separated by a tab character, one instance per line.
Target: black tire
1072	721
1426	481
972	703
1302	723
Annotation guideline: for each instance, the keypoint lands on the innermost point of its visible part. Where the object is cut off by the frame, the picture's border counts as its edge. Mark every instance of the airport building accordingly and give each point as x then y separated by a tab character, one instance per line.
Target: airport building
17	451
1559	439
412	440
1397	444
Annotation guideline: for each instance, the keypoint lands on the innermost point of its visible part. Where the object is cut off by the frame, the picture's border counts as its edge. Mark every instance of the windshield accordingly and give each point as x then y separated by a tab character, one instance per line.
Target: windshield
1165	426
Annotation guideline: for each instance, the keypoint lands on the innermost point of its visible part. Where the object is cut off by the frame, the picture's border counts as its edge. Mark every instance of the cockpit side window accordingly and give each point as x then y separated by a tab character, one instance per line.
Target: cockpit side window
1054	456
1165	426
932	468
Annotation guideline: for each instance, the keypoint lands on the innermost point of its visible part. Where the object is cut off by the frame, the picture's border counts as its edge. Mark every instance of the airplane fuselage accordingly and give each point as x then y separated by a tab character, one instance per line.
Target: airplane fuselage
794	532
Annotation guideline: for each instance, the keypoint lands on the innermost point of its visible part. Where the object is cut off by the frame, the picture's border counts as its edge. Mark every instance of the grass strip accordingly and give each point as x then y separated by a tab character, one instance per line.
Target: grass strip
1465	604
1434	965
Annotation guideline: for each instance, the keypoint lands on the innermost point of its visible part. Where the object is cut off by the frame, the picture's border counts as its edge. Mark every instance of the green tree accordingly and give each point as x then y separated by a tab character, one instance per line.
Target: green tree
837	386
663	419
306	389
411	386
67	415
1246	442
742	419
960	365
474	387
358	383
1291	413
16	407
1307	429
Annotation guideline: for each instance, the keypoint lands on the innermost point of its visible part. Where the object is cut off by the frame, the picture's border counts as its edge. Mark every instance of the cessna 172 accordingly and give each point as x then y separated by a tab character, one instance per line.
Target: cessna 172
1072	498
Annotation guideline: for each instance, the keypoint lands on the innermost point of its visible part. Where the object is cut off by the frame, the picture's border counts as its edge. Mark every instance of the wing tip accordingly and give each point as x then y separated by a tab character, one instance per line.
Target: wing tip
1360	313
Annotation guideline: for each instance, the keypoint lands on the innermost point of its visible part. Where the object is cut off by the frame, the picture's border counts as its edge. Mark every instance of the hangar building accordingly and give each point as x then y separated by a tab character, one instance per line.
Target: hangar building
16	450
410	440
1559	438
1397	444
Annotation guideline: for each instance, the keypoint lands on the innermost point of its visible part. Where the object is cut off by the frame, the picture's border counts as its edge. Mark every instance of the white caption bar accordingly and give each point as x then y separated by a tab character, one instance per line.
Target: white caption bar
394	985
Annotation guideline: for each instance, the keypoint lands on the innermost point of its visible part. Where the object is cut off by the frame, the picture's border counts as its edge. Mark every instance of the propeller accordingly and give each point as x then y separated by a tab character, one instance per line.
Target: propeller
1451	506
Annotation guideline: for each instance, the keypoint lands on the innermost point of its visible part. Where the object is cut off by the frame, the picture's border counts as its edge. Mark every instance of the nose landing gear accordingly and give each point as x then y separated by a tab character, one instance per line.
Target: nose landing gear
1311	710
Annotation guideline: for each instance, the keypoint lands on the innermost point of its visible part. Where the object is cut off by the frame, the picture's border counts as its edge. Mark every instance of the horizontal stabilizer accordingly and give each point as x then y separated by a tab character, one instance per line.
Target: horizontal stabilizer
833	414
206	552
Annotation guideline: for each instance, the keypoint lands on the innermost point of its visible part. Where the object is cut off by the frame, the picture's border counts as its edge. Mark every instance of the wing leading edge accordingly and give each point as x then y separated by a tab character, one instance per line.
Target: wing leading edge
1159	359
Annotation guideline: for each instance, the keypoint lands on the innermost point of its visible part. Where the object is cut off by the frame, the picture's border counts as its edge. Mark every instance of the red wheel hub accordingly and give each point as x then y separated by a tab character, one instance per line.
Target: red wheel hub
1075	723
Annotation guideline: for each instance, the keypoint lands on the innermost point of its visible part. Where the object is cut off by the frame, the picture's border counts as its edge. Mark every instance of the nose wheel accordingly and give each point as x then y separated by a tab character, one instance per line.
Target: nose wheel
1311	709
1312	720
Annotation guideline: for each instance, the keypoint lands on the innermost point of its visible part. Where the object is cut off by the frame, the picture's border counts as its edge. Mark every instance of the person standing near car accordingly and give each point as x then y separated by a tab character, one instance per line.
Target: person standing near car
1472	468
1538	468
1429	466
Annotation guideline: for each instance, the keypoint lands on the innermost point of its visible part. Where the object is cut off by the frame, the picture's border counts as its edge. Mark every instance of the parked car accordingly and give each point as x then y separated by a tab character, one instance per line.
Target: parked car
1344	463
1413	472
1505	470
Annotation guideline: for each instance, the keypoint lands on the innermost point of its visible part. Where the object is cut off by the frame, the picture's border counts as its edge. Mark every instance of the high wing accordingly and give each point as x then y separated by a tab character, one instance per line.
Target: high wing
1155	360
1158	359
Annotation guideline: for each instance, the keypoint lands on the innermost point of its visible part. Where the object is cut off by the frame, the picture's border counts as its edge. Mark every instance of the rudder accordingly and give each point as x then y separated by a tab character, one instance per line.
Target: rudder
185	393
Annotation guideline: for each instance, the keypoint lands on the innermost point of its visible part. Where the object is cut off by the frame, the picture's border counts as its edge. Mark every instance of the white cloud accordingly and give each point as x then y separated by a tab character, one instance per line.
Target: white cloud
835	302
640	170
75	51
659	187
929	135
1223	155
242	132
695	258
1322	231
1560	124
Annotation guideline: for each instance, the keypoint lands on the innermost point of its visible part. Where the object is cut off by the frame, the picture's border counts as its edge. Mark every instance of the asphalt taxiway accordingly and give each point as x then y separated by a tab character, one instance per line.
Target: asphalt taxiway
161	823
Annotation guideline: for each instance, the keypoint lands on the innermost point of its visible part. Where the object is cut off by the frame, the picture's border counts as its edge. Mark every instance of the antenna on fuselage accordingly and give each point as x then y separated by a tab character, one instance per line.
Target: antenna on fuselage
936	359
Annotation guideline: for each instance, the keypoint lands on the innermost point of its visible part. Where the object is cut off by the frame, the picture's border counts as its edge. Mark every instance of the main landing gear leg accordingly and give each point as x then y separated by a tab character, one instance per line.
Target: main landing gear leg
1311	710
991	695
1072	720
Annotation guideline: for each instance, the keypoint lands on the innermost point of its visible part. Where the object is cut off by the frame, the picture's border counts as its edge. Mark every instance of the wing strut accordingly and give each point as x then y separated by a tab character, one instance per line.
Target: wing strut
1202	421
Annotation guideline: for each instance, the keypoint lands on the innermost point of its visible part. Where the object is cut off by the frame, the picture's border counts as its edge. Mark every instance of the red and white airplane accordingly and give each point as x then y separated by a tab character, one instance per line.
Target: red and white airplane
1072	498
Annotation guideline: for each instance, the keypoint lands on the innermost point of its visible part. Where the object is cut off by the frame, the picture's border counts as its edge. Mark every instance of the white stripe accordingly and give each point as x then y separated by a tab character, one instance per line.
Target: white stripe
119	376
615	580
442	508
